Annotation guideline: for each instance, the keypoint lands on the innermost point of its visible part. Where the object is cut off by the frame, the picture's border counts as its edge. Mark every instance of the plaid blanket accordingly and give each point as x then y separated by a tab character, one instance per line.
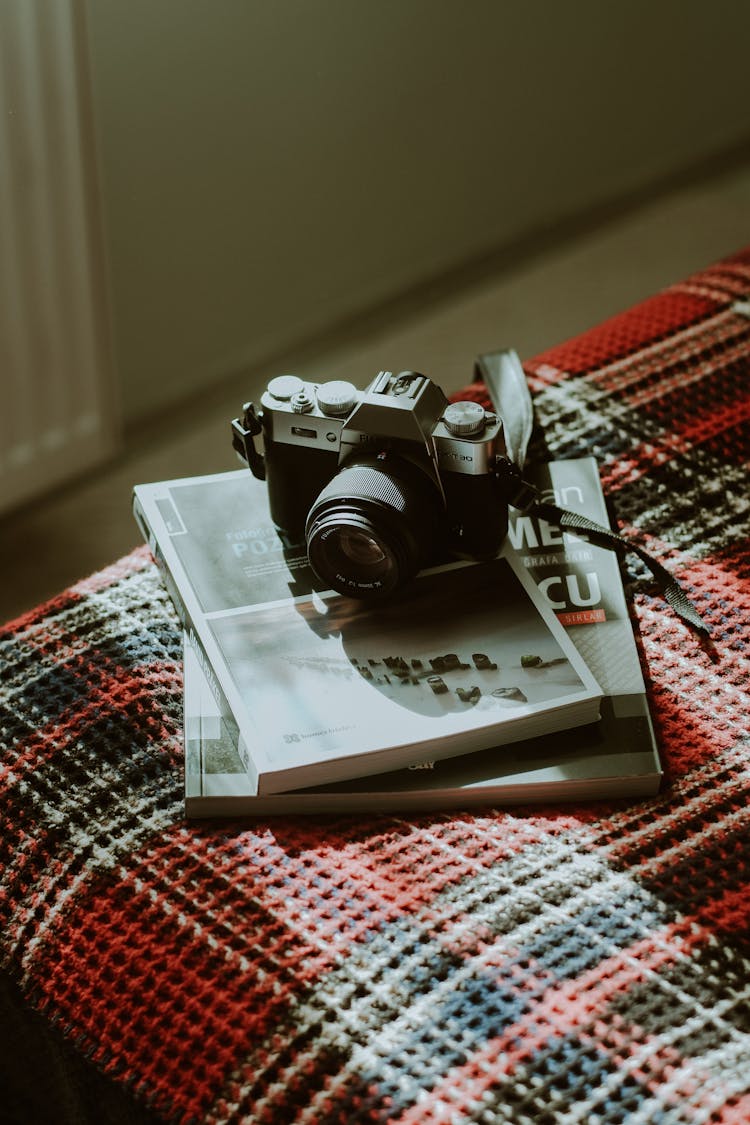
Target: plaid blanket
553	965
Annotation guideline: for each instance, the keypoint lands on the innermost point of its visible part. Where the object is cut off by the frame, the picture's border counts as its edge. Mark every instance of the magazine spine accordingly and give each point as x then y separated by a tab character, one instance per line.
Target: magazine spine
195	640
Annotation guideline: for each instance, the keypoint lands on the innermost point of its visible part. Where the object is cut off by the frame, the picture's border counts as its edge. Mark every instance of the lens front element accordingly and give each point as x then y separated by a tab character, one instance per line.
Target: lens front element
361	549
352	559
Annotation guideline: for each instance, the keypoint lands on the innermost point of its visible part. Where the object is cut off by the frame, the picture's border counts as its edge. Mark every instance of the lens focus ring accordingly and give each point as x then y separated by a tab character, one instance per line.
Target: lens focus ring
365	481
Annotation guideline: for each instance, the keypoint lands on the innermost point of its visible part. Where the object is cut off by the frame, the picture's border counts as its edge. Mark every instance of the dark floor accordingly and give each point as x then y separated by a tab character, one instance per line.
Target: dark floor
528	303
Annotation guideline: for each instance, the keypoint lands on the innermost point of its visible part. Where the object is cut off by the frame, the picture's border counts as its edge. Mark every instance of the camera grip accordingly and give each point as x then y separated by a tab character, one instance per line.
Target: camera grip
296	475
477	514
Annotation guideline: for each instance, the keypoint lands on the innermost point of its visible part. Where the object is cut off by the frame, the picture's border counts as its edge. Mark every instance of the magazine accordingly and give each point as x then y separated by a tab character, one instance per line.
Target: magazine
614	757
322	687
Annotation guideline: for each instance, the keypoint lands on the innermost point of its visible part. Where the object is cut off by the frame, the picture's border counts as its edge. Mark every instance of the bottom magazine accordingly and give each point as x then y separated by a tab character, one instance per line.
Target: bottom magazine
615	757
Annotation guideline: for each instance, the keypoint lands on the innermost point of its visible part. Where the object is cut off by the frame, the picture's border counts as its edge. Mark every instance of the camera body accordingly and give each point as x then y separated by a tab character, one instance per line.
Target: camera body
381	482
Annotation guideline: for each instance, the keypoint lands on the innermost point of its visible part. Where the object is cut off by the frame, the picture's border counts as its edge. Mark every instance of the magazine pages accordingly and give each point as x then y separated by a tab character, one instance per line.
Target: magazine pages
323	687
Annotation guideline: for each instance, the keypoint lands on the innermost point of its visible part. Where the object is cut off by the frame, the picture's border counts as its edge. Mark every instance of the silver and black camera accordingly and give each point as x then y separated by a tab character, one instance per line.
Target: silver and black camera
378	483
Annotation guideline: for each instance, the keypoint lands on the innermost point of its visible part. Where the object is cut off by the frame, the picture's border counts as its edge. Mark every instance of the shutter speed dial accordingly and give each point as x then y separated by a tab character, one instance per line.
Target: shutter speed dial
465	419
336	397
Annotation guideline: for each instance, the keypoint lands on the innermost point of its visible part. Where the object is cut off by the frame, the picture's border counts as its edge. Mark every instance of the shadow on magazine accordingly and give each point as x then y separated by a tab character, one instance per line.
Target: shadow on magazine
455	640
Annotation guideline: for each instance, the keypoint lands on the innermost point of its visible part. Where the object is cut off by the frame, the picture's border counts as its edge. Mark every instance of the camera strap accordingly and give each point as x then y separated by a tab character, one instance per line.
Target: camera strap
525	497
505	379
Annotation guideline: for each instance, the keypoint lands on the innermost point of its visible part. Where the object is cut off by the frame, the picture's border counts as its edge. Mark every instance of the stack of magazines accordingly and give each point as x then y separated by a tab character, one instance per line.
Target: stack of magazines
484	683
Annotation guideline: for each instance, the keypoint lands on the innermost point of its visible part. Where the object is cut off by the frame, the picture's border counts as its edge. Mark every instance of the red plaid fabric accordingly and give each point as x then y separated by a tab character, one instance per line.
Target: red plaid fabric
556	965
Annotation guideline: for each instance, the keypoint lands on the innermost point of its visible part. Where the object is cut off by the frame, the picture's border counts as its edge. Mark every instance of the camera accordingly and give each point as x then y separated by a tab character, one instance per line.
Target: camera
378	483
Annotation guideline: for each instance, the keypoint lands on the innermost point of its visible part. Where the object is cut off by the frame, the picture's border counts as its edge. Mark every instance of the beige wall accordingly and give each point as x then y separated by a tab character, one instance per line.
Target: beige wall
269	167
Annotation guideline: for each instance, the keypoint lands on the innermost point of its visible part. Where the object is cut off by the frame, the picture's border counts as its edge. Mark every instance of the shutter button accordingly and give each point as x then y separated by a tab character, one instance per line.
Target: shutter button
301	403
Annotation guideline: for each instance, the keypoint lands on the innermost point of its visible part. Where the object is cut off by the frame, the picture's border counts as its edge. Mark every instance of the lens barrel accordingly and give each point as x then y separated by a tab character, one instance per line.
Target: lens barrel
373	526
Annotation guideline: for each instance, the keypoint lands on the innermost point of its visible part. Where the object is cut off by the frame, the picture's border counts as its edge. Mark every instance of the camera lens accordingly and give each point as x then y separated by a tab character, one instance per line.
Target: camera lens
373	526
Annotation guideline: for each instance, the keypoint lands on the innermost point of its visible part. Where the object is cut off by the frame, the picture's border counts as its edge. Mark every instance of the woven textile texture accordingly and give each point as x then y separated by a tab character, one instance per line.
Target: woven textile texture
555	965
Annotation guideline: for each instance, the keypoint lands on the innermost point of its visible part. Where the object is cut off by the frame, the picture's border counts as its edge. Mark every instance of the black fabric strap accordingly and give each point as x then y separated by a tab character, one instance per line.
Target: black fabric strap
603	537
